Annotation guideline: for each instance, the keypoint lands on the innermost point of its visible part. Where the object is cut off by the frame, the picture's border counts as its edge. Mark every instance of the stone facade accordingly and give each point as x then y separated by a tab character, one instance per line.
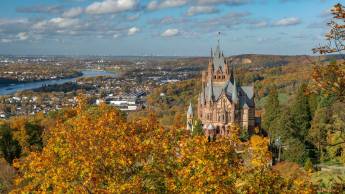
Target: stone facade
222	102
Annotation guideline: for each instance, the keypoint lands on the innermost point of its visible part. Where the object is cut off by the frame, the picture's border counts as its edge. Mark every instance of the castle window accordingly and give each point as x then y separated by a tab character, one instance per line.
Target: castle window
215	77
219	77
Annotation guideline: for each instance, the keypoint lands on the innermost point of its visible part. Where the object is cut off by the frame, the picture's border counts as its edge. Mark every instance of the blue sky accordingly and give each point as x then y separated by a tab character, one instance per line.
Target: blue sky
161	27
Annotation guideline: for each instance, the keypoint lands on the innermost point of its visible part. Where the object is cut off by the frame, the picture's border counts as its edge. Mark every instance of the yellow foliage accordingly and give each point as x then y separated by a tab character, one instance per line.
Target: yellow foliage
98	151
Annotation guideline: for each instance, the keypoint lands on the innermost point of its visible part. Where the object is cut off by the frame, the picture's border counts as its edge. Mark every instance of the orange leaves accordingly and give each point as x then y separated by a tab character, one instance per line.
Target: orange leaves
260	156
98	151
330	79
207	166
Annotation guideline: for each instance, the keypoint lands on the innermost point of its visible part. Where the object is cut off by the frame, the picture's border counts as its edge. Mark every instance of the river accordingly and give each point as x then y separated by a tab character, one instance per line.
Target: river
33	85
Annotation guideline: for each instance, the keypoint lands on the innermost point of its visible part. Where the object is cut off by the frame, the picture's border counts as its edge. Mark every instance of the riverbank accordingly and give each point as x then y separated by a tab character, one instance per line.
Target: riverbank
8	82
13	88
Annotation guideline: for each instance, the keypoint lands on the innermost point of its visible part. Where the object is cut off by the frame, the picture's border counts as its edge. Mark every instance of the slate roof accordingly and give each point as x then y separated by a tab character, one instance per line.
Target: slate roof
212	91
247	92
218	59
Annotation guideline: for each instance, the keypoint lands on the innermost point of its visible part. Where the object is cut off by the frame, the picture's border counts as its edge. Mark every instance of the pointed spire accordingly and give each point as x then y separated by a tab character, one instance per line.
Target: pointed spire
204	95
210	89
234	96
232	75
211	52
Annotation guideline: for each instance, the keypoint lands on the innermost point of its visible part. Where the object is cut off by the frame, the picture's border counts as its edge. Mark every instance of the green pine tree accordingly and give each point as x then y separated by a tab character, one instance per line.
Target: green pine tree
9	147
197	130
272	110
301	114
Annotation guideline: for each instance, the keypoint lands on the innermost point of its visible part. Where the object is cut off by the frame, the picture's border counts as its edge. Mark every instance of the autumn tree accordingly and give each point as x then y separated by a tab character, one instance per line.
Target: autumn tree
98	151
329	79
258	177
207	167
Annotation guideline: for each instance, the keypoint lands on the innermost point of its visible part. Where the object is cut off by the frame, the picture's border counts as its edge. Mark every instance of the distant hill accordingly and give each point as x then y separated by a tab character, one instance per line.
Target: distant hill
259	61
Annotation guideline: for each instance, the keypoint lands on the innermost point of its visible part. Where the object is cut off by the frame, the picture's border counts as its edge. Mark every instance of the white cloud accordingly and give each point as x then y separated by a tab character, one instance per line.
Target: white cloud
261	24
170	32
116	35
56	23
287	21
12	21
5	40
153	5
73	12
133	31
23	36
64	22
195	10
110	6
133	17
229	2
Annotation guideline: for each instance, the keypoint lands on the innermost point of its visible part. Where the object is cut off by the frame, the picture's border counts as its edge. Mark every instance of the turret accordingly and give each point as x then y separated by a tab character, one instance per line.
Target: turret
190	118
210	89
210	68
234	95
232	73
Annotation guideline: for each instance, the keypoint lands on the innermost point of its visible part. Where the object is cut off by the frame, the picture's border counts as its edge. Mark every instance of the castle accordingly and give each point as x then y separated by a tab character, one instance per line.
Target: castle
222	101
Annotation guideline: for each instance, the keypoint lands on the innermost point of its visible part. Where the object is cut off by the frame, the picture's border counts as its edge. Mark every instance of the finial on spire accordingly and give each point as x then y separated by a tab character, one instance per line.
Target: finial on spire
218	38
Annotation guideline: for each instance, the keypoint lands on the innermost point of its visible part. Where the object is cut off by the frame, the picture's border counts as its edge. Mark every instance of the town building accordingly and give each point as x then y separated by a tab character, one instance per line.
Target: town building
127	102
222	101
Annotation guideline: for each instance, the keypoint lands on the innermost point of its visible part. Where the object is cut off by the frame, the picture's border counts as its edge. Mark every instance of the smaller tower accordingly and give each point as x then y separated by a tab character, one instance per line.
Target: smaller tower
190	118
234	95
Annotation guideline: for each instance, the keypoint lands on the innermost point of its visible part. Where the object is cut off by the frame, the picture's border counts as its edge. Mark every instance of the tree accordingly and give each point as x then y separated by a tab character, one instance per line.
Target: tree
272	111
319	130
9	147
300	114
207	167
329	79
198	130
98	151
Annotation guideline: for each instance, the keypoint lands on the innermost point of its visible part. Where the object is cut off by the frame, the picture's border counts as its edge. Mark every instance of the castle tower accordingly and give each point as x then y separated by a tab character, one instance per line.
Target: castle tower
190	118
223	102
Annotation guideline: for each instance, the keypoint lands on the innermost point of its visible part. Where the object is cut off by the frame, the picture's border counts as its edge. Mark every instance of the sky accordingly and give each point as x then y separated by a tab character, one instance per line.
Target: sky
162	27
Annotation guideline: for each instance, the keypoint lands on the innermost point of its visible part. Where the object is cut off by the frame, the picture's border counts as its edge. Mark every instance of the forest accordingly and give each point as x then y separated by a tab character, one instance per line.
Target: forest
99	149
